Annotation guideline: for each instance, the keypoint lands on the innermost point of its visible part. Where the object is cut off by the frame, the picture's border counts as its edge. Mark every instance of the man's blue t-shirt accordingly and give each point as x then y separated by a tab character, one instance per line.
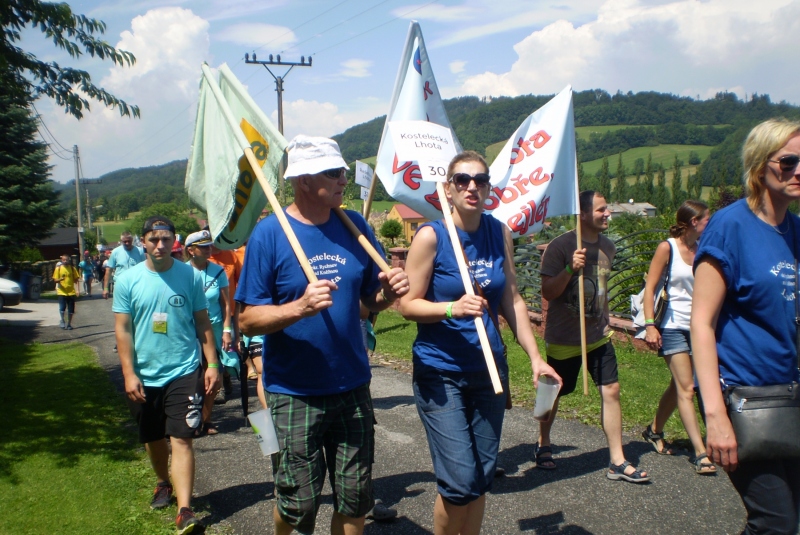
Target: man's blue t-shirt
160	358
214	279
755	329
122	259
322	354
453	344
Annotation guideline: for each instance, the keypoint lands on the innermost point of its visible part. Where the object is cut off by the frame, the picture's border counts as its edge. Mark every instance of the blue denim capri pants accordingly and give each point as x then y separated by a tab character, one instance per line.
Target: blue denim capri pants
463	419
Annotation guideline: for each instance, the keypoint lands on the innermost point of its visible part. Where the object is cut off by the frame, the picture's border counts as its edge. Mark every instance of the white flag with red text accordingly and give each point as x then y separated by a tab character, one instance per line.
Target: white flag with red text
415	98
535	175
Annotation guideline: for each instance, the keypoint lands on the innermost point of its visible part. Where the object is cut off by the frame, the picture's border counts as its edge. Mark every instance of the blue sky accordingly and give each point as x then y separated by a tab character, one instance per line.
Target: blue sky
477	47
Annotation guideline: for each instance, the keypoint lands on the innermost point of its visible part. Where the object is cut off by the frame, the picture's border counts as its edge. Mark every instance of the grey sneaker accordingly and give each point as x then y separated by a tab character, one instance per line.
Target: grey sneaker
62	324
186	522
162	496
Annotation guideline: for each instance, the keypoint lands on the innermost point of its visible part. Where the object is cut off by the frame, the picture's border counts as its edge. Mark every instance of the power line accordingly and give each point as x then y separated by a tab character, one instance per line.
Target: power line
339	24
374	28
39	117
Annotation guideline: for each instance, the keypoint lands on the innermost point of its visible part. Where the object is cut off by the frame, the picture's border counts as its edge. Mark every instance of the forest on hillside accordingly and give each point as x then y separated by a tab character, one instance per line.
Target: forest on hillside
645	119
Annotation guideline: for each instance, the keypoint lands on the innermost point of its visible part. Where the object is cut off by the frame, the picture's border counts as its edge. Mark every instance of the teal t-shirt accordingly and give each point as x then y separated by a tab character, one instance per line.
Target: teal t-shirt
214	279
159	358
122	259
87	268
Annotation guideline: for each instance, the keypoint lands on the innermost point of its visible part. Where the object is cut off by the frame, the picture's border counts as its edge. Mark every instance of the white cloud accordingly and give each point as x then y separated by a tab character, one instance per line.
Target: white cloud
685	47
257	34
170	45
314	118
356	68
435	12
457	66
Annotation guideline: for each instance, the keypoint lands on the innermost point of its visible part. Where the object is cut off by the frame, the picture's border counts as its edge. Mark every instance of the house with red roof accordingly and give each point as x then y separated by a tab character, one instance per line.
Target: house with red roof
410	220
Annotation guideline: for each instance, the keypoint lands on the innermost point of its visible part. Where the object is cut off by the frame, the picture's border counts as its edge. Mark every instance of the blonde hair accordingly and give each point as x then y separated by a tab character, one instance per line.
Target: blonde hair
762	142
687	211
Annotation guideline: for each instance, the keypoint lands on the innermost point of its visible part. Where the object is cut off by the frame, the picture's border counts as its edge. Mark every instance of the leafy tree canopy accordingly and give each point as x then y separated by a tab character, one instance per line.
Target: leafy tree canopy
75	34
184	223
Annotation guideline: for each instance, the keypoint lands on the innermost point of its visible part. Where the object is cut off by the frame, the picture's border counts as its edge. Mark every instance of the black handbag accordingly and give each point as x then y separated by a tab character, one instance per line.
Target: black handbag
661	299
766	419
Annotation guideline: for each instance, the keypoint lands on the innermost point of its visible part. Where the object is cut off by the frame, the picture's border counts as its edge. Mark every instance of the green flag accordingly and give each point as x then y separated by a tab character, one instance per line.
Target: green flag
218	176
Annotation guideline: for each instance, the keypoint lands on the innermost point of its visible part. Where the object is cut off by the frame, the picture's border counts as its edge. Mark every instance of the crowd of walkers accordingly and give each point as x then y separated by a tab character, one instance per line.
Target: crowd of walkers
178	325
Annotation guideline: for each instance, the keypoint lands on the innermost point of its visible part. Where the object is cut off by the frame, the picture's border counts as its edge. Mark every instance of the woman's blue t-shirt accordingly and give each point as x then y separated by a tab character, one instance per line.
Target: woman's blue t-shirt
322	354
453	344
756	328
214	279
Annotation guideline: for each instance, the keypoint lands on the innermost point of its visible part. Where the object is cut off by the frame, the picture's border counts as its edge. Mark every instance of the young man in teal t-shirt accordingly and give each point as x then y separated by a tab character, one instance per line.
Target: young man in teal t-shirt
160	314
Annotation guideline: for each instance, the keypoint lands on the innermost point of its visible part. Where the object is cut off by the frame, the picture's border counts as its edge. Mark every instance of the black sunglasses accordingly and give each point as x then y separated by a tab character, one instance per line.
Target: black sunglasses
334	174
462	180
788	162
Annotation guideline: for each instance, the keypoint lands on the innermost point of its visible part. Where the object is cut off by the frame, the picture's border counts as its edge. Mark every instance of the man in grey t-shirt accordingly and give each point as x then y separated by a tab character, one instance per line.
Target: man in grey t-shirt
560	287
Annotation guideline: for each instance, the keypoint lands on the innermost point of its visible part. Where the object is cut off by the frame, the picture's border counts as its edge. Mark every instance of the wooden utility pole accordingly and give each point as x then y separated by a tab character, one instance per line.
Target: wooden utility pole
279	88
76	159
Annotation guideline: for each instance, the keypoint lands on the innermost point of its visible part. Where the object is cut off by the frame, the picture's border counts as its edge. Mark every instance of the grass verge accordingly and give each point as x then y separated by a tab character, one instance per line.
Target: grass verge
643	376
68	461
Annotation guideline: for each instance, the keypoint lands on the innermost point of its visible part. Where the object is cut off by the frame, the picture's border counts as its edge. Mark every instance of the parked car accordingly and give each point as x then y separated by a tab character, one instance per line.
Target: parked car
10	293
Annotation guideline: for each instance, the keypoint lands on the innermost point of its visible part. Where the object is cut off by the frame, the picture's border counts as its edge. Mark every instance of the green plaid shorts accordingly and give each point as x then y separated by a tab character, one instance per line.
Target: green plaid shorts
319	432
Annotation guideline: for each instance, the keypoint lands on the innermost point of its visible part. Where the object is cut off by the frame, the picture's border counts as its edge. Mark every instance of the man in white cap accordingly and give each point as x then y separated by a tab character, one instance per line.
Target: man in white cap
316	370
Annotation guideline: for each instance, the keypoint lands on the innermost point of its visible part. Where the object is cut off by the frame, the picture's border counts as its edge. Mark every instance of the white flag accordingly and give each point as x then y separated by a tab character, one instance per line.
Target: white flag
536	173
415	98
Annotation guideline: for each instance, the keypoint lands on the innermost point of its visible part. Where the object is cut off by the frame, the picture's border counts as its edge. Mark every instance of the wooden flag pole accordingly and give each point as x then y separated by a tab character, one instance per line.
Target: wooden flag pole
363	241
465	278
368	202
259	174
582	309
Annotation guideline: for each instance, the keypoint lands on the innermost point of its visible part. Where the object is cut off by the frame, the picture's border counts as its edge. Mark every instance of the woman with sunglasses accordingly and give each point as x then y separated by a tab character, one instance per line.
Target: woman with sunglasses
742	327
462	415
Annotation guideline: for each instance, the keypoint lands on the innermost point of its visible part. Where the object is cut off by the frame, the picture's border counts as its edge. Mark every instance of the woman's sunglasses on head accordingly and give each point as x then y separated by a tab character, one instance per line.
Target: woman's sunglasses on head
462	180
788	162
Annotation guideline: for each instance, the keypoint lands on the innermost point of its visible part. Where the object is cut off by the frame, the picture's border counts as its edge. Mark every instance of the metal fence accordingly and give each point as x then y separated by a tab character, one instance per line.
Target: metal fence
634	253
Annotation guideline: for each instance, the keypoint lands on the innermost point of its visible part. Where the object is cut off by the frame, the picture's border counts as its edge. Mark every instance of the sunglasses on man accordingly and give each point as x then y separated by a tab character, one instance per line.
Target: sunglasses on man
788	162
462	180
334	174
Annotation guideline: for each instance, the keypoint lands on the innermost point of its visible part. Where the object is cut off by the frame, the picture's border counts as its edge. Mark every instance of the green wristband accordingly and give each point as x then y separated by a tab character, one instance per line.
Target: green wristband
649	322
449	310
213	364
569	269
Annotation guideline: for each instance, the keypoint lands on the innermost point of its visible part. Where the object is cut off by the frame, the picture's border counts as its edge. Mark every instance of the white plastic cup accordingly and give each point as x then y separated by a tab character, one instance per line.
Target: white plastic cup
261	421
545	397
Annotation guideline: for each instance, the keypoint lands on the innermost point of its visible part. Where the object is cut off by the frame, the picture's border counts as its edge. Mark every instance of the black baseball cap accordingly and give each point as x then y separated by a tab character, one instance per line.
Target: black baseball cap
157	222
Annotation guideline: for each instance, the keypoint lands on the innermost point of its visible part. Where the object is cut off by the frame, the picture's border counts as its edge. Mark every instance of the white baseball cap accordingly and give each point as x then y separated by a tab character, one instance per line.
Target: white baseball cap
311	155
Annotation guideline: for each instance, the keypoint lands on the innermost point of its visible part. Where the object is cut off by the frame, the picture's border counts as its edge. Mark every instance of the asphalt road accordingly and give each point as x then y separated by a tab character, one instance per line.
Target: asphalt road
235	481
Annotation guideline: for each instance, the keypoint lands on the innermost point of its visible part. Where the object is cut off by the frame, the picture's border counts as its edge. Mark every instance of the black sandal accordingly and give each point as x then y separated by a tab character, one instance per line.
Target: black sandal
539	453
703	468
655	438
617	472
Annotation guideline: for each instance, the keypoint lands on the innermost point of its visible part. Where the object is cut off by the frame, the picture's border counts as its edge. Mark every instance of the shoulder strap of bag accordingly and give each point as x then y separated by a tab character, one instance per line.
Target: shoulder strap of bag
669	267
796	293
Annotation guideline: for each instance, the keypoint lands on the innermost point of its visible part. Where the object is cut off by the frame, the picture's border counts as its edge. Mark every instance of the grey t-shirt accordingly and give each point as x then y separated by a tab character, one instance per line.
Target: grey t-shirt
562	326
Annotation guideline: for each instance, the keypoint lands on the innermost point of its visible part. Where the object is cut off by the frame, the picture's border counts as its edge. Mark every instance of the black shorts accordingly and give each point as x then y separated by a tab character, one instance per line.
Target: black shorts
173	409
602	364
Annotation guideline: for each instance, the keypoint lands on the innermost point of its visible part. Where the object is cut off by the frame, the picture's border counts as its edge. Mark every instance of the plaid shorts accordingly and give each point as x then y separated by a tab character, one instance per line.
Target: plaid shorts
319	432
